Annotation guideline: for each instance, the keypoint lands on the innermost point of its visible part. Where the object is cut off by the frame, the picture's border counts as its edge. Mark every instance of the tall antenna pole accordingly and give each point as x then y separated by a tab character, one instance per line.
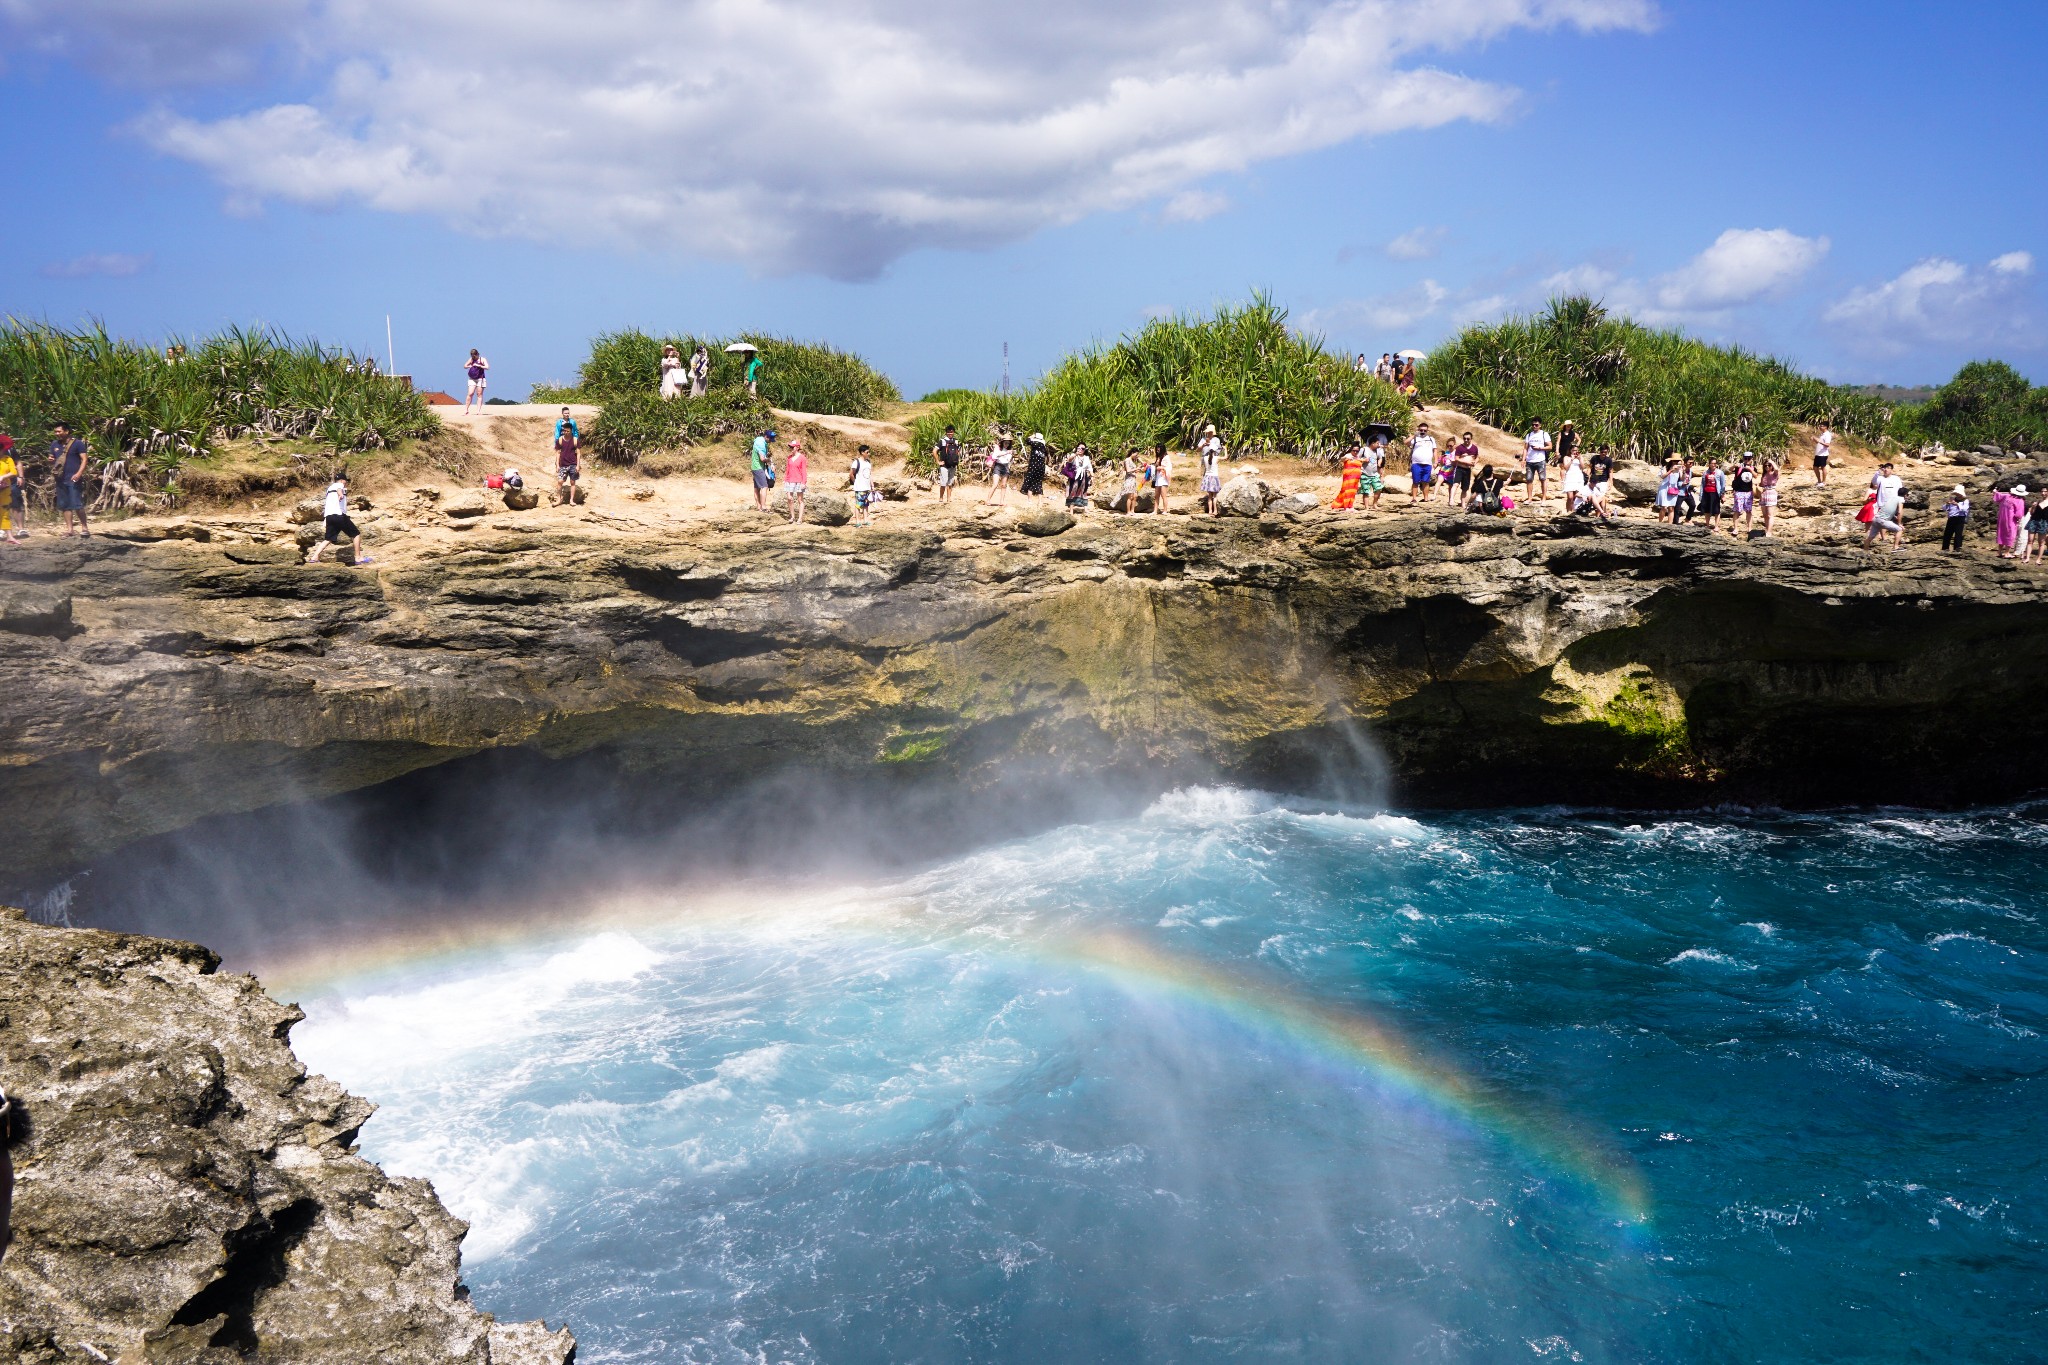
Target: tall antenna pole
1006	369
390	360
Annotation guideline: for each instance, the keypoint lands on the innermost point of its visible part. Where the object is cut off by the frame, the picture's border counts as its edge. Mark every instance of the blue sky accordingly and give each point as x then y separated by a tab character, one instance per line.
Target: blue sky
1857	187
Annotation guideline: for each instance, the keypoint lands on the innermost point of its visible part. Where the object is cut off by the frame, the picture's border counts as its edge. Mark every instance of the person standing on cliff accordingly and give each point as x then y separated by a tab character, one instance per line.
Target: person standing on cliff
754	373
700	371
761	466
1211	453
1536	462
1888	511
796	473
1823	448
1957	512
568	465
1421	463
67	459
1767	494
477	370
1162	474
947	454
862	477
2011	508
10	484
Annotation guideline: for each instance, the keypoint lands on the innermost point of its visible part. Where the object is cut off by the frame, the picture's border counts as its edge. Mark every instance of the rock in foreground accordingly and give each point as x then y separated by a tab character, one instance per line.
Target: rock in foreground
187	1193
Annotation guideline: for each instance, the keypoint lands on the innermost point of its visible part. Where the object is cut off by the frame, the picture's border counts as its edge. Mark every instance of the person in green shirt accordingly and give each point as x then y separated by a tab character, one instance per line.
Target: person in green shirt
761	463
754	373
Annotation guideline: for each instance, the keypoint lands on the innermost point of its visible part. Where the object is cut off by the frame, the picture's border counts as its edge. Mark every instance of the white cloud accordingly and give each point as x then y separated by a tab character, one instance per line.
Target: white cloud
1391	312
790	134
105	264
1194	206
1743	266
1946	302
1417	244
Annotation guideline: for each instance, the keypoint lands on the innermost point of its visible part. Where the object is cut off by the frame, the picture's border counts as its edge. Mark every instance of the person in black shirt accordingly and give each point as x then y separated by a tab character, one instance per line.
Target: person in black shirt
948	453
1742	489
1599	484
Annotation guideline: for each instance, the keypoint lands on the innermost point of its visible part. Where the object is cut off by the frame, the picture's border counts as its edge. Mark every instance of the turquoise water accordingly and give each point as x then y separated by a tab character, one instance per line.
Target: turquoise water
1706	1089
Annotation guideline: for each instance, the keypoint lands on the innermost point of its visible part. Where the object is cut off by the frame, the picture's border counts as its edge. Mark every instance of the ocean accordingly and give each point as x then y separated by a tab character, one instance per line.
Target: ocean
1246	1078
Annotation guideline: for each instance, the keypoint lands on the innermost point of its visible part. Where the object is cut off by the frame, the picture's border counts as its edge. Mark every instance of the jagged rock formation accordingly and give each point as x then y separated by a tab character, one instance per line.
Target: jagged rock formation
188	1194
1493	660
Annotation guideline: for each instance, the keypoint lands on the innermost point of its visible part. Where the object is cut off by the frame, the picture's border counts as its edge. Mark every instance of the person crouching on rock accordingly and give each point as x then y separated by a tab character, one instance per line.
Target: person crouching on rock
568	466
337	523
796	471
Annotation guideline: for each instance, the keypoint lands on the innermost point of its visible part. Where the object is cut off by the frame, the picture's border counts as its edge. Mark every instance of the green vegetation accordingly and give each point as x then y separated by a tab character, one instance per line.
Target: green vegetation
1267	389
946	395
1987	403
800	375
1643	392
633	425
147	412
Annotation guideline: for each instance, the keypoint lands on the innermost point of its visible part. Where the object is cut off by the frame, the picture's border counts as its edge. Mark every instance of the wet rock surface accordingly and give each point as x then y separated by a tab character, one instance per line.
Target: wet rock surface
1492	659
187	1193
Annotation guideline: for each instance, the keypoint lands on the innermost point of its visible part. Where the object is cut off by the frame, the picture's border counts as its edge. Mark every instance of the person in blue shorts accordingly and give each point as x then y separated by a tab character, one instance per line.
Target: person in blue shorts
761	464
1421	463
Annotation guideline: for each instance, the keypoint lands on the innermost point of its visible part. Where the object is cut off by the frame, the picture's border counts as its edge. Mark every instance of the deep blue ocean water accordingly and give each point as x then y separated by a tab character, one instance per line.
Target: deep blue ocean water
907	1121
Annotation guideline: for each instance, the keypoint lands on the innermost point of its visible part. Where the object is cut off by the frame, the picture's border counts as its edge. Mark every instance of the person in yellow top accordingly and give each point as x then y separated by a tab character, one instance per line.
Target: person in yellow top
11	495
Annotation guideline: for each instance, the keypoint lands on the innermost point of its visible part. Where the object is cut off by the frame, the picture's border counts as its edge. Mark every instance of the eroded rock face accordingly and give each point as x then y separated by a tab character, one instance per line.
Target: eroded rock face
1494	660
188	1193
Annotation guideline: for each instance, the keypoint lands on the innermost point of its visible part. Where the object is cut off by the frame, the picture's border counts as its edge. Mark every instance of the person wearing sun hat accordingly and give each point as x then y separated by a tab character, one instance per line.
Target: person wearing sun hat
2012	520
1210	452
1957	510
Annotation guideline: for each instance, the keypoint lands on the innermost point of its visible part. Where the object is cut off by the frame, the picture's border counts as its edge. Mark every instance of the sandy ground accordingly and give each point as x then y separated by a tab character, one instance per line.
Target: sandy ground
405	515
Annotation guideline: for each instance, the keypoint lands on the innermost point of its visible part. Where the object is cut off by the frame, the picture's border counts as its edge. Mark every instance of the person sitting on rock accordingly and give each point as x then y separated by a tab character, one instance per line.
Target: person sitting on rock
1489	491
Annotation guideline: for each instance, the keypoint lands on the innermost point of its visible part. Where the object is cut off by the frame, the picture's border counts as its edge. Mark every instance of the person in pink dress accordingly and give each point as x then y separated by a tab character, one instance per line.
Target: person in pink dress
2012	513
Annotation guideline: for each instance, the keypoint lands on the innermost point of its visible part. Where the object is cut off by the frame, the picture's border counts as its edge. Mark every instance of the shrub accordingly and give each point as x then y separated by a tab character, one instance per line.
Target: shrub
634	425
805	376
156	407
1641	391
946	395
1987	403
1267	389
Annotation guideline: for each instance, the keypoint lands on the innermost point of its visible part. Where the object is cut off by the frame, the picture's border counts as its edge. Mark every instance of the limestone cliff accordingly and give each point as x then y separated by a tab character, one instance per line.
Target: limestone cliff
187	1193
155	681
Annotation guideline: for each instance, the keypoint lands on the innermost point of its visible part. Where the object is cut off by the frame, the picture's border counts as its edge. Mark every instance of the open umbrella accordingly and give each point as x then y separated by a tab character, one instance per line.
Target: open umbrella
741	348
1412	355
1378	431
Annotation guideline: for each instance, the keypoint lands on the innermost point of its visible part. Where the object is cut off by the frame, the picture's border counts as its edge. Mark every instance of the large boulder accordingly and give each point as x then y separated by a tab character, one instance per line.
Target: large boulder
1244	496
521	499
1045	520
307	509
1637	480
825	509
468	503
1294	504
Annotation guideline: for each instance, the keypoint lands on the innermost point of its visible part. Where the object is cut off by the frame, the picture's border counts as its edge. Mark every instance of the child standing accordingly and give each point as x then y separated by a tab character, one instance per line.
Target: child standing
797	471
1957	510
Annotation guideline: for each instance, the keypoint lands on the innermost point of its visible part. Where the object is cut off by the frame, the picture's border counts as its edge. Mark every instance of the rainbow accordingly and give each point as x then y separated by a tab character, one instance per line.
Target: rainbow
1268	1006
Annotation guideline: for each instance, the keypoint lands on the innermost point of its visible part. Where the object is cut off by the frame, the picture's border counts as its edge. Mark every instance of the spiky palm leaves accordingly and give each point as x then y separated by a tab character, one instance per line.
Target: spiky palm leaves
137	404
1267	389
805	376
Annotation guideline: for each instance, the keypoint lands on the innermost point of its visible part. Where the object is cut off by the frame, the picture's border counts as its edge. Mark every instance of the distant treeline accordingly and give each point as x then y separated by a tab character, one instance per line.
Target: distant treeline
154	408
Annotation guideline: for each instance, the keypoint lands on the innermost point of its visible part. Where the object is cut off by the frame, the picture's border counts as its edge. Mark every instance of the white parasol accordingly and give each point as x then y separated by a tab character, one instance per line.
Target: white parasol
741	348
1411	355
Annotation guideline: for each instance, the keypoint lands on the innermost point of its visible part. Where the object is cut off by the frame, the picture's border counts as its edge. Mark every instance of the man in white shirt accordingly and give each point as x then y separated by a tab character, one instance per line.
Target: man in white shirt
1822	446
1536	461
337	523
1890	508
1421	463
863	486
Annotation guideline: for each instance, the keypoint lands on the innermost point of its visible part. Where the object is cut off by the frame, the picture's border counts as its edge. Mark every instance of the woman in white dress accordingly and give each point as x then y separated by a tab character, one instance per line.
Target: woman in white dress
1574	483
700	371
671	372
